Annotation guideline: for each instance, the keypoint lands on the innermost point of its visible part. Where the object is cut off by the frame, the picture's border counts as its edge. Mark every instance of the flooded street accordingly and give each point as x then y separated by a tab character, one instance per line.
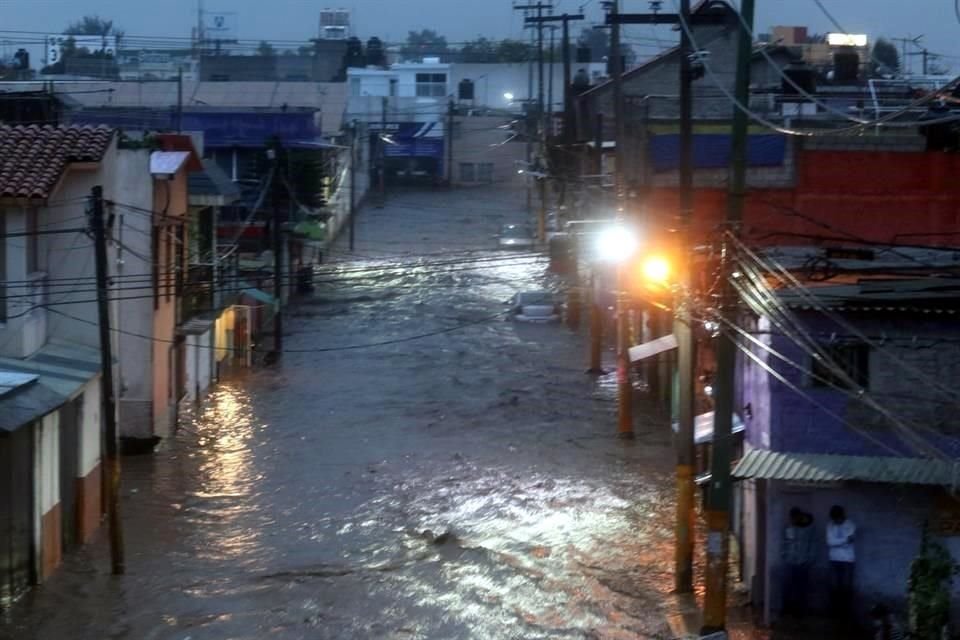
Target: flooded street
417	466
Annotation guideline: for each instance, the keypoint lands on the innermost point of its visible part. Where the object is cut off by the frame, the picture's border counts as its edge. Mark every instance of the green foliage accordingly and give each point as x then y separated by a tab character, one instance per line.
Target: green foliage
426	42
265	49
885	57
514	51
92	25
928	589
479	50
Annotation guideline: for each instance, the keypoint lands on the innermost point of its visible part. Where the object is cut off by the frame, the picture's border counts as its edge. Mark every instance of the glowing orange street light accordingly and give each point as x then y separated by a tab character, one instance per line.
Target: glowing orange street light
656	270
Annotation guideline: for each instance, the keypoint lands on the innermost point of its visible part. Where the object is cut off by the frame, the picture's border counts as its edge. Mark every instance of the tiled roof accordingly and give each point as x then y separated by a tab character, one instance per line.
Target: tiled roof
33	158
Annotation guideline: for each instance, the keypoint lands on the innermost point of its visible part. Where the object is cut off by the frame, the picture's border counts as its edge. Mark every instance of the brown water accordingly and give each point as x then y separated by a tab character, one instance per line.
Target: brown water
463	485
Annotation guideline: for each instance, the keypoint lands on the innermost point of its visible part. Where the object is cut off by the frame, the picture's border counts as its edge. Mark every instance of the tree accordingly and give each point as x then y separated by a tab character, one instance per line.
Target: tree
92	25
598	42
514	51
426	42
376	55
885	59
479	50
353	57
265	49
928	589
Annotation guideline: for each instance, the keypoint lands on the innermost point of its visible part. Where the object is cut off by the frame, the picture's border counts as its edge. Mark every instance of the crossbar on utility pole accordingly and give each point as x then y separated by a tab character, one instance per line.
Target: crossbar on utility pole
720	492
111	477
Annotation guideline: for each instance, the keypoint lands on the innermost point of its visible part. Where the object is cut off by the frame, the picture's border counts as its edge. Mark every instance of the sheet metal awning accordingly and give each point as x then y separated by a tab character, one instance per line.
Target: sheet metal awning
812	467
652	348
62	367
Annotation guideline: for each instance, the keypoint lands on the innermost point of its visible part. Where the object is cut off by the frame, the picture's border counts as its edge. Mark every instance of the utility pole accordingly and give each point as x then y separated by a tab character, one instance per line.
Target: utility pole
179	99
450	112
565	20
541	129
683	329
111	479
624	386
549	117
277	253
383	151
353	182
720	491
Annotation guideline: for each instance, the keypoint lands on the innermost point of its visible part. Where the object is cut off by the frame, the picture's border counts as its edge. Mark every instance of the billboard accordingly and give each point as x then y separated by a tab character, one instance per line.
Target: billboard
220	25
54	45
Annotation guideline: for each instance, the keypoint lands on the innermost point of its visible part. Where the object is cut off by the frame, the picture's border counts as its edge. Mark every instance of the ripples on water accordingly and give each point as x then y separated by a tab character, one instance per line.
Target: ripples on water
467	485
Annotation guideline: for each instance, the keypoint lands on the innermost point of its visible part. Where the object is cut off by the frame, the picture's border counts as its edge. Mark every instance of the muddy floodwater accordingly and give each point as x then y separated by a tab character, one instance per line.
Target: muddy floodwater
377	483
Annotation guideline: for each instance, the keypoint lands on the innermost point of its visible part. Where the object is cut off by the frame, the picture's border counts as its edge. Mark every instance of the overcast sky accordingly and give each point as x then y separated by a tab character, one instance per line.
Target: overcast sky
463	19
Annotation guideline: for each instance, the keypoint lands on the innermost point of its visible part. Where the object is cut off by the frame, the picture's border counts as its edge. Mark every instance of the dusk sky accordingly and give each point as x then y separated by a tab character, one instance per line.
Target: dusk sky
464	19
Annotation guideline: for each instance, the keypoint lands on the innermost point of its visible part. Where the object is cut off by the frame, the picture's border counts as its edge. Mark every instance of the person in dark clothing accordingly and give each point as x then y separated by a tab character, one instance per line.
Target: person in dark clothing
798	553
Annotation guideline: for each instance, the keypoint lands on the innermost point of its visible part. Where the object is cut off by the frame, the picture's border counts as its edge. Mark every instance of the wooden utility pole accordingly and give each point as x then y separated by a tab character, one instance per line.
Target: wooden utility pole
686	346
683	329
624	385
720	492
353	182
111	477
179	99
277	252
450	125
382	147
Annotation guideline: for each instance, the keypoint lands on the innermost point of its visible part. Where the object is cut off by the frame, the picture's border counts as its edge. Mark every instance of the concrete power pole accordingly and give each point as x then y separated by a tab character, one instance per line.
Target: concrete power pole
720	492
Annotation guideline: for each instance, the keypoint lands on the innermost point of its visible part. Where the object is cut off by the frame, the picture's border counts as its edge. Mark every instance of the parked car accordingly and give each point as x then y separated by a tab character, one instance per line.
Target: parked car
534	306
516	236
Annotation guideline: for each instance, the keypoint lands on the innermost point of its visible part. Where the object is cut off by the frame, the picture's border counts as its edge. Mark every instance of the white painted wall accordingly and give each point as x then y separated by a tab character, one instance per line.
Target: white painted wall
47	463
133	185
90	429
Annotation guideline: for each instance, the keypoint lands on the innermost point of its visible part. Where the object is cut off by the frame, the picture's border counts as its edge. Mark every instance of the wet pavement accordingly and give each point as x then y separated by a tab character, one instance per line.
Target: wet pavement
417	466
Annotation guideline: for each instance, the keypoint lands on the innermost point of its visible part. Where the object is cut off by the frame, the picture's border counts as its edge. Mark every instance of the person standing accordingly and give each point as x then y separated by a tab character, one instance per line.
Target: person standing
797	552
841	533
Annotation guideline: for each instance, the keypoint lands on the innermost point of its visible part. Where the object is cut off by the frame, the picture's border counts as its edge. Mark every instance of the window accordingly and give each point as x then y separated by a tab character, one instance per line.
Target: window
468	172
393	87
485	172
354	87
852	358
431	85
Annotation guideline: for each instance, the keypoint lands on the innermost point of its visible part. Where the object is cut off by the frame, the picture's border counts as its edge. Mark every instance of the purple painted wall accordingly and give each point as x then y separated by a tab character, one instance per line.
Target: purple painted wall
783	420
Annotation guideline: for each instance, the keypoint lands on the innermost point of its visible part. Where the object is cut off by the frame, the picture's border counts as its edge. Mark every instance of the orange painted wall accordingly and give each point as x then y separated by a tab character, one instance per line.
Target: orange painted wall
872	195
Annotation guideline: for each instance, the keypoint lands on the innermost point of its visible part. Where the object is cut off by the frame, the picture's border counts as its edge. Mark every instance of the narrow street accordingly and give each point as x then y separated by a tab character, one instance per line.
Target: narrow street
466	484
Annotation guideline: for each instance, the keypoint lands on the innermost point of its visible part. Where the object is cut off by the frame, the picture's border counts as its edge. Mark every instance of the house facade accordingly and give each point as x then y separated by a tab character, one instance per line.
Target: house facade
869	425
50	395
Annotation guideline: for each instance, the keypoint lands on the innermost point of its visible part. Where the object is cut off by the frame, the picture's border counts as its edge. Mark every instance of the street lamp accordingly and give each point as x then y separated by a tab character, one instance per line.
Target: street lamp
617	245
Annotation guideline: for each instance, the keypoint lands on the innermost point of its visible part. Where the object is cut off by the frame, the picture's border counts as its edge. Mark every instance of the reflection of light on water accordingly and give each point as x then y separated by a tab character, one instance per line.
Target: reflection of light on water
227	479
522	545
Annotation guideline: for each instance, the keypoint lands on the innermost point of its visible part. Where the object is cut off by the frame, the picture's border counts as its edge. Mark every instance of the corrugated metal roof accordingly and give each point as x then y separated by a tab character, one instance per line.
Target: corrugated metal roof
811	467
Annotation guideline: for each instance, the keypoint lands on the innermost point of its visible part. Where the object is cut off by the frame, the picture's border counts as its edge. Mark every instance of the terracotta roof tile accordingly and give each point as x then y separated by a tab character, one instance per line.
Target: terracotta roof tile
33	158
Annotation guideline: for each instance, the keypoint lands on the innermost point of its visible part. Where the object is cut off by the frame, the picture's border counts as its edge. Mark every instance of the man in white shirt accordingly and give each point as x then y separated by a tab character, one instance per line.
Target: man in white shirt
840	538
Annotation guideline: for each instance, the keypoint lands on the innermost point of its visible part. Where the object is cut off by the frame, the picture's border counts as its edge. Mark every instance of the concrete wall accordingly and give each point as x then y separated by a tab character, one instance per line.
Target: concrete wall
478	140
199	364
784	421
170	198
89	505
889	522
133	186
47	522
